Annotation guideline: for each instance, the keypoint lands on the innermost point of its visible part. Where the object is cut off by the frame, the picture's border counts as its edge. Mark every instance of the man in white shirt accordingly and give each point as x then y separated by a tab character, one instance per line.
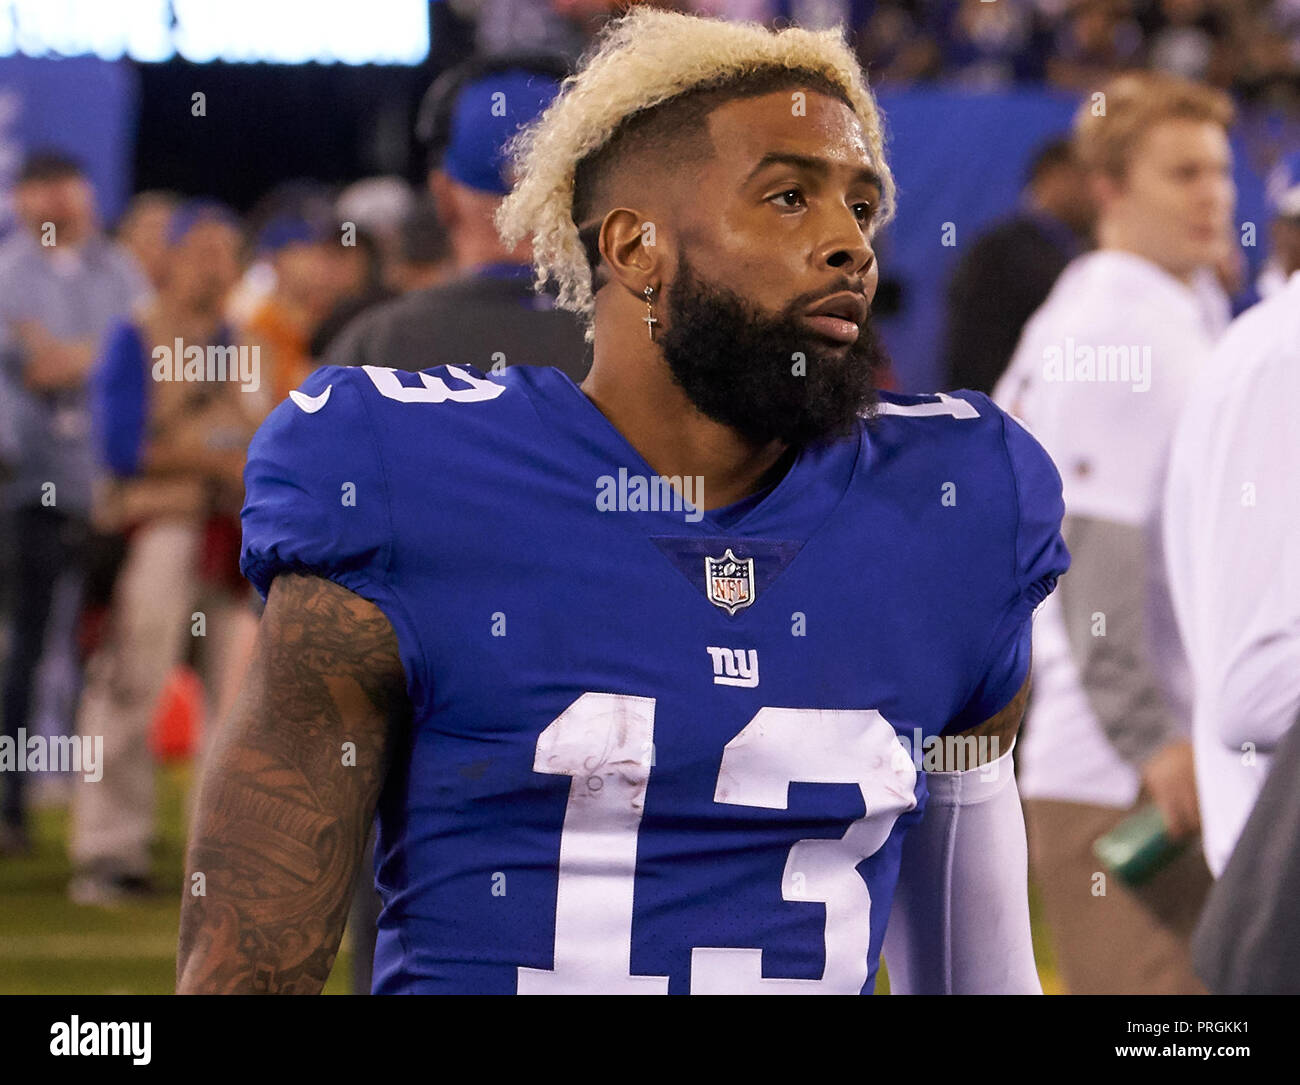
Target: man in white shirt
1100	376
1232	536
1232	527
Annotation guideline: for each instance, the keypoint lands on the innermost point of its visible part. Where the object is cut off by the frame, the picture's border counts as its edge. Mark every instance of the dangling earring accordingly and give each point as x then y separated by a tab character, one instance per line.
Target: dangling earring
650	319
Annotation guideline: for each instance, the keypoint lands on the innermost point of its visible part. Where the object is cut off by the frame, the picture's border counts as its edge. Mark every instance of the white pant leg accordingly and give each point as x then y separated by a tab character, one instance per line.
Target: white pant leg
112	818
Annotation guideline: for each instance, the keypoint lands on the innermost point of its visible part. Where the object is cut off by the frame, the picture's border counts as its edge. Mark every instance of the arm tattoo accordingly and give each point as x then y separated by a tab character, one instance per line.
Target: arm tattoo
284	812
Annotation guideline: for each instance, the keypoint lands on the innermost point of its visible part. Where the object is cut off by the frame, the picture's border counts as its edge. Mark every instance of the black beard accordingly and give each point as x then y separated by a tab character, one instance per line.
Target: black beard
740	367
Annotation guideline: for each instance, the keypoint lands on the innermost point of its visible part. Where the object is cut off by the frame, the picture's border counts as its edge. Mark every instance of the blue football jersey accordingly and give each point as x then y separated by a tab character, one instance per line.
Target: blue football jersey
655	749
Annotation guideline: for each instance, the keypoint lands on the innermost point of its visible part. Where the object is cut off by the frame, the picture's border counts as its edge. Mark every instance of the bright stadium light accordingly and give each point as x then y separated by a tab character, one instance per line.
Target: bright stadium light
235	31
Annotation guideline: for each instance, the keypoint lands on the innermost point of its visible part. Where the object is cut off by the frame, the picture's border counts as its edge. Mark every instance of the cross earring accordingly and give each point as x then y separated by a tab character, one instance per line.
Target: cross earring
650	319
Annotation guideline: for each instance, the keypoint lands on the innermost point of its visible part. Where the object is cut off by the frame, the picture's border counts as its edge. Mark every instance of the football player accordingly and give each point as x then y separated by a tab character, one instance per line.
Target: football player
619	741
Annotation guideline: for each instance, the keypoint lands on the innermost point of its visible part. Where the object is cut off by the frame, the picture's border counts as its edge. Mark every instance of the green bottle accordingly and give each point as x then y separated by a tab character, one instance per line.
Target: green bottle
1138	847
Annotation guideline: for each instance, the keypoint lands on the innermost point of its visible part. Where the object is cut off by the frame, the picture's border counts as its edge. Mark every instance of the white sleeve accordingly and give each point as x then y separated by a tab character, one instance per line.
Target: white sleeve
960	917
1232	533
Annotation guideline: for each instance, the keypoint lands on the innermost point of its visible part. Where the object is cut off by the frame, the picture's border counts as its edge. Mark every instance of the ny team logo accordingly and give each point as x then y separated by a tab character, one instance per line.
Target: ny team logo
729	582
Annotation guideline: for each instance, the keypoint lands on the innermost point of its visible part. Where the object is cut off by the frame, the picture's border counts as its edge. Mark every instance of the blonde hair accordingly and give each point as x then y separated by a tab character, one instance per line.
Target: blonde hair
1132	104
641	60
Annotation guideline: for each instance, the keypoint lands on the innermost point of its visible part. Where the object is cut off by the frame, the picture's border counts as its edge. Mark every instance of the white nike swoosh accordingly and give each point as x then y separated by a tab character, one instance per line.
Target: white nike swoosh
311	404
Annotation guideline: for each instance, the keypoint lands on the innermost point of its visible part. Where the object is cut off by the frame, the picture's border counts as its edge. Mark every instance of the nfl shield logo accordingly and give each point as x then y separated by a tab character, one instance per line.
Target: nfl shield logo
729	582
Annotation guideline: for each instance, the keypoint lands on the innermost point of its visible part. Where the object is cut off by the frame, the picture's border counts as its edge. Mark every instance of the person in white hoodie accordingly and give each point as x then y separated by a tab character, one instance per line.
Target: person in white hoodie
1232	537
1232	531
1099	376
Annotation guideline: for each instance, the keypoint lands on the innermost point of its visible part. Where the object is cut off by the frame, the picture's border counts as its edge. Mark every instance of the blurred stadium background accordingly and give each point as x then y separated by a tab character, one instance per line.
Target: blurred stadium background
278	107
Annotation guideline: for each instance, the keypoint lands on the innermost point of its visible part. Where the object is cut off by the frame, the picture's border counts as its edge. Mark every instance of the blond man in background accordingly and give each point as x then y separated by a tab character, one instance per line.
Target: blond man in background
1100	375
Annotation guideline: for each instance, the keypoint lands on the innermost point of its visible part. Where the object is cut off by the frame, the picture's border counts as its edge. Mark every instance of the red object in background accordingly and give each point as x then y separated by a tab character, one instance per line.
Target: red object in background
173	735
219	560
92	627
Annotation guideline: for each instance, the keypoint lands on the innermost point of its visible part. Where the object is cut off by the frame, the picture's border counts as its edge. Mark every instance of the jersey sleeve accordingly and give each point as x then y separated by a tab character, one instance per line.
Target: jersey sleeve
316	501
1040	559
1041	556
118	400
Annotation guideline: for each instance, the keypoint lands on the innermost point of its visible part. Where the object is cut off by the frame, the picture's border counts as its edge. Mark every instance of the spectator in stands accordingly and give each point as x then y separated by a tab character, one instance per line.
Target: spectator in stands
376	210
377	206
487	314
424	256
361	284
555	26
988	46
1008	271
1097	39
61	285
1265	54
1100	375
305	260
810	14
174	441
1185	37
142	231
307	204
895	47
1233	541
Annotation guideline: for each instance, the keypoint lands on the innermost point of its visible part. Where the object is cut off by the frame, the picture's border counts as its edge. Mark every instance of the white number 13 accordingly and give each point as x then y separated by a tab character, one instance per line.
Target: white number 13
605	742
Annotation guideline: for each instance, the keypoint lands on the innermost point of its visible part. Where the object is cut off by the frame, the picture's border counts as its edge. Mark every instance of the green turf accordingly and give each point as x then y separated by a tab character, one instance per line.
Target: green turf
48	945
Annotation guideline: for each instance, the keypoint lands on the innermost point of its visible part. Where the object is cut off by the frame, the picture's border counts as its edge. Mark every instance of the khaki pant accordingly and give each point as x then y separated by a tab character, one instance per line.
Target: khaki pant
1129	940
156	595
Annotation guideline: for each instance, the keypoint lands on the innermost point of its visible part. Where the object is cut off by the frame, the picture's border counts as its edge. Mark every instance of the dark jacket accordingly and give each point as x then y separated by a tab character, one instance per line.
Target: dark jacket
477	320
1006	275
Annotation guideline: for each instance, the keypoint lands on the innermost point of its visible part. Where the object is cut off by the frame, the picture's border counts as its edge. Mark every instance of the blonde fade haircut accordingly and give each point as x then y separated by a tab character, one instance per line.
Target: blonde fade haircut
640	62
1134	103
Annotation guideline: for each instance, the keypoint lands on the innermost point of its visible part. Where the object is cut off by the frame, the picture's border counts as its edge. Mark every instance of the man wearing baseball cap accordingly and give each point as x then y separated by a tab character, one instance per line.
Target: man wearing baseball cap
487	315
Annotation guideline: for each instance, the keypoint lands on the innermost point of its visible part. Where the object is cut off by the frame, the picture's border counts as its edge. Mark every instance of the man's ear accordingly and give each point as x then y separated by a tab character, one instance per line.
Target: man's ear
633	252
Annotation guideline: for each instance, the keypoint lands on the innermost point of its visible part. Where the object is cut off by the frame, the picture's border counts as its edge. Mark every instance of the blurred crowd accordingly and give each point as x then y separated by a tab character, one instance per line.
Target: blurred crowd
136	368
136	363
1248	46
1251	47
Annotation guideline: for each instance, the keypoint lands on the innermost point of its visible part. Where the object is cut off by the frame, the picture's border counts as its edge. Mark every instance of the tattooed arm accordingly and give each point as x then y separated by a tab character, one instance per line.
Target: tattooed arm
283	814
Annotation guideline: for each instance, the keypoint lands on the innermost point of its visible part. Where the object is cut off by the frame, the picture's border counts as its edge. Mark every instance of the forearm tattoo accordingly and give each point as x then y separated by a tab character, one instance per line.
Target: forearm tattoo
286	804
